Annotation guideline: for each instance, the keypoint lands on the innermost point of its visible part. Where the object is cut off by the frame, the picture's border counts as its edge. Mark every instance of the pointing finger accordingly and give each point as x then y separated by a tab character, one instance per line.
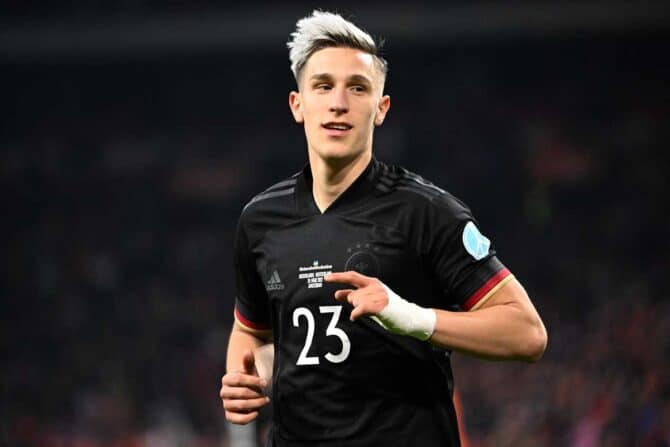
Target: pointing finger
351	277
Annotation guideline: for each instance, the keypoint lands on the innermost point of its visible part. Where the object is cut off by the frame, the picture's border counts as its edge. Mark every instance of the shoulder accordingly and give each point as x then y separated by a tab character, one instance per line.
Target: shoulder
418	192
276	195
269	208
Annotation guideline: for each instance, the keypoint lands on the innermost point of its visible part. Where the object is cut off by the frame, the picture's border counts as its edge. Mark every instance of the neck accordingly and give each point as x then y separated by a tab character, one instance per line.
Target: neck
332	178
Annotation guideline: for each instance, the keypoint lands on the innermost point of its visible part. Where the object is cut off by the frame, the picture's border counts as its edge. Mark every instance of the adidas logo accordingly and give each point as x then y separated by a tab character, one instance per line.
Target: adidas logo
274	283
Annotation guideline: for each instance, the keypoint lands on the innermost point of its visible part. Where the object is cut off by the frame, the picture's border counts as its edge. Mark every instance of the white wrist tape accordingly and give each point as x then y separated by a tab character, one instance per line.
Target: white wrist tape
404	318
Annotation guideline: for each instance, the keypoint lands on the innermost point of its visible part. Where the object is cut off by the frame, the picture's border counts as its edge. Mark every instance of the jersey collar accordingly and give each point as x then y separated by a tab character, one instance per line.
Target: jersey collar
358	191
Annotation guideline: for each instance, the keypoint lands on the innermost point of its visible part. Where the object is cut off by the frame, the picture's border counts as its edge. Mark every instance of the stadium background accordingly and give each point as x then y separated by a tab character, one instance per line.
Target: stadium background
133	133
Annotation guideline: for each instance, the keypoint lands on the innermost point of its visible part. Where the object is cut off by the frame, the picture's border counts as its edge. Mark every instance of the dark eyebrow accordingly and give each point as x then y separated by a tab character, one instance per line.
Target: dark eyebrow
359	79
321	77
356	78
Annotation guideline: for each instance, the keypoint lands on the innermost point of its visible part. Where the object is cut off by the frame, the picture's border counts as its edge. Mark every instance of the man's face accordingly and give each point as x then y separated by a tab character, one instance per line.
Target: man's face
340	101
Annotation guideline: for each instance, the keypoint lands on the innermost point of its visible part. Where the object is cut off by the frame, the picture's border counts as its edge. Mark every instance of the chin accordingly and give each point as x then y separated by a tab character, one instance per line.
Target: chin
338	153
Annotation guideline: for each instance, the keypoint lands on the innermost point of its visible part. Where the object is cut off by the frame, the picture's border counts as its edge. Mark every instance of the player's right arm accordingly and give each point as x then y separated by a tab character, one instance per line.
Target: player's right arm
242	390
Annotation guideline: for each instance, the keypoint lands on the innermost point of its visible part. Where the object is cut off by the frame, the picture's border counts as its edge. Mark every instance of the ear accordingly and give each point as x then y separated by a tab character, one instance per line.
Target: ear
295	103
382	109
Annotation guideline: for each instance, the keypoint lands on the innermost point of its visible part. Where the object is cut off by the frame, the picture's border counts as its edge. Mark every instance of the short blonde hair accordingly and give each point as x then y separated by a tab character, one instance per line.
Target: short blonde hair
325	29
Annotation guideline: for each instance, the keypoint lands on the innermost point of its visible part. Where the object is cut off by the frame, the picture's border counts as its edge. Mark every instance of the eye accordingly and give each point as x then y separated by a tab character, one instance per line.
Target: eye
358	88
323	87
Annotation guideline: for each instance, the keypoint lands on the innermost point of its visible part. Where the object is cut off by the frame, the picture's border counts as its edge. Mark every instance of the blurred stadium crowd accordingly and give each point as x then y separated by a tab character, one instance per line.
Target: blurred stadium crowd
124	181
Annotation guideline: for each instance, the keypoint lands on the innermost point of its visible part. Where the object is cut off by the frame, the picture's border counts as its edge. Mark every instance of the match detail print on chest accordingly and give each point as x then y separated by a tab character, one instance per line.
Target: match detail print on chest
296	259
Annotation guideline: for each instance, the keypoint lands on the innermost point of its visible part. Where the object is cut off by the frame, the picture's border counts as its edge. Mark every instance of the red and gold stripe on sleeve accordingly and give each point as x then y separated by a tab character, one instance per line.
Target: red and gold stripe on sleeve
486	291
249	325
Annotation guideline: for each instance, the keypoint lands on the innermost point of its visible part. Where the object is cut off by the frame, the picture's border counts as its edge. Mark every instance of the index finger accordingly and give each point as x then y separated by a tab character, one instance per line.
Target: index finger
351	277
241	379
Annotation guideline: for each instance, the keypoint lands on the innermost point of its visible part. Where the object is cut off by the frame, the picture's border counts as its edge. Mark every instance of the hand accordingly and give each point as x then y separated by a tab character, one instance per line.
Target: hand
395	314
242	392
369	297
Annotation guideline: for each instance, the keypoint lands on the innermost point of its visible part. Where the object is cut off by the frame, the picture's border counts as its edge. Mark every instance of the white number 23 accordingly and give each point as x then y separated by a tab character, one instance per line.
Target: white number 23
331	330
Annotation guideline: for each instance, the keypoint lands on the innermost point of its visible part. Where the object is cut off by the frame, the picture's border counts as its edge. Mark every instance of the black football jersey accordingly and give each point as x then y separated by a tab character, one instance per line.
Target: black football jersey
343	383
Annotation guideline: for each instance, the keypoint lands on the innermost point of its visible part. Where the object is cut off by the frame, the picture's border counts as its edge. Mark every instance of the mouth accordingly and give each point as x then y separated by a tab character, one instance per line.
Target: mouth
337	128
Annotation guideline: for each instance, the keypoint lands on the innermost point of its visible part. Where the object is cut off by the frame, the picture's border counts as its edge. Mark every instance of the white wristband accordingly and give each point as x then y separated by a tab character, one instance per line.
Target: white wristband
404	318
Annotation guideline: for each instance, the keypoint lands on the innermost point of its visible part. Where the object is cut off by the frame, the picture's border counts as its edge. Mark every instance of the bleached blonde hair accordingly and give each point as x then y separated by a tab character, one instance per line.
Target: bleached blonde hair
325	29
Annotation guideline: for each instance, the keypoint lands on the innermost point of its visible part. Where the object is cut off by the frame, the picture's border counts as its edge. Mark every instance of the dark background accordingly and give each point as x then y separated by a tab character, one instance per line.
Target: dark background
133	134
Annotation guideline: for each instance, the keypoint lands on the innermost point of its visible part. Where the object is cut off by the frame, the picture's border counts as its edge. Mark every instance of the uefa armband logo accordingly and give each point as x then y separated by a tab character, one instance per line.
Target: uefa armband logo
475	242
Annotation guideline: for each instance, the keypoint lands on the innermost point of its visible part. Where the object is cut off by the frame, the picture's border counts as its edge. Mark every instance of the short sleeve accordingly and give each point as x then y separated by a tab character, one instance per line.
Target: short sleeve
462	258
251	301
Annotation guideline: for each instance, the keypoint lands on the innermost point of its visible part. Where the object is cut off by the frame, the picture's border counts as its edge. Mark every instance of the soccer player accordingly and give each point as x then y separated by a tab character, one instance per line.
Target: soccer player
364	276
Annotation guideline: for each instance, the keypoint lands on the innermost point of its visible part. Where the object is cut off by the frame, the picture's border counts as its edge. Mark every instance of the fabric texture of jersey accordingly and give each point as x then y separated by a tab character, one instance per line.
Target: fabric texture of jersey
343	383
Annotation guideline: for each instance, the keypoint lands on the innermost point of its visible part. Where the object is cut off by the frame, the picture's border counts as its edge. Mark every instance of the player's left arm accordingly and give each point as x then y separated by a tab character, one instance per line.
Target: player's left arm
504	327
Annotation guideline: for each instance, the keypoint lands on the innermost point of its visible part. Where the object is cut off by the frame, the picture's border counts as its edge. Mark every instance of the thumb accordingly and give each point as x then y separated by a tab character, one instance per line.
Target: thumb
248	363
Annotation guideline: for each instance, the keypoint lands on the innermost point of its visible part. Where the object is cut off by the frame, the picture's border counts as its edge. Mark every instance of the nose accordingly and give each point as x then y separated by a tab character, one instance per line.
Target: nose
339	103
